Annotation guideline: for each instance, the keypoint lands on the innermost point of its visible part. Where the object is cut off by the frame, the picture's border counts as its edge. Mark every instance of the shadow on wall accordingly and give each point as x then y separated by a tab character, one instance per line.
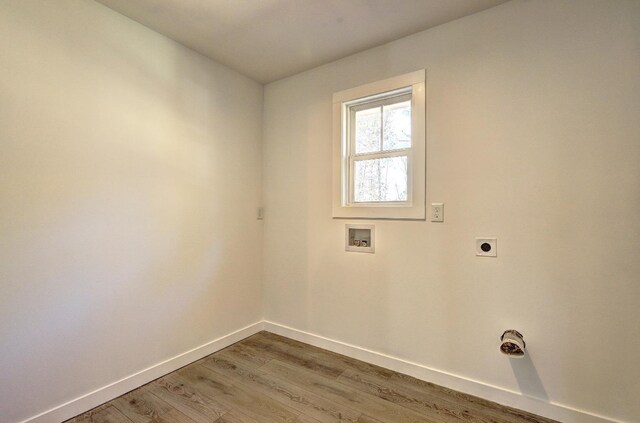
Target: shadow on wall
528	379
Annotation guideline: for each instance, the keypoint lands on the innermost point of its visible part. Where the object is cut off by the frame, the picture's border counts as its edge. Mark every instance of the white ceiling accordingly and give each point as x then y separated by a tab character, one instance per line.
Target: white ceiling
271	39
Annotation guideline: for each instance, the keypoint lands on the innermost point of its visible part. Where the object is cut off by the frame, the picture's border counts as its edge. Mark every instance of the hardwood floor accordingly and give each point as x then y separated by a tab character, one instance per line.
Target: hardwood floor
269	378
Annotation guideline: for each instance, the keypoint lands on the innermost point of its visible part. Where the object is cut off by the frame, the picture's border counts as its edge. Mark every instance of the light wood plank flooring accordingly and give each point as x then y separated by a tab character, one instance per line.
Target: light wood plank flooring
269	378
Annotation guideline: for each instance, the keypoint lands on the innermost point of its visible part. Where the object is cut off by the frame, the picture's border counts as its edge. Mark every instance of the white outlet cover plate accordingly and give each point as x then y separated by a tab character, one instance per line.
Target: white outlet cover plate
437	212
492	249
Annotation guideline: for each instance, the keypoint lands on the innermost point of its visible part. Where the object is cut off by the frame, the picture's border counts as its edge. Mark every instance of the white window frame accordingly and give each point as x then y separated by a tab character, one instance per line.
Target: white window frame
344	102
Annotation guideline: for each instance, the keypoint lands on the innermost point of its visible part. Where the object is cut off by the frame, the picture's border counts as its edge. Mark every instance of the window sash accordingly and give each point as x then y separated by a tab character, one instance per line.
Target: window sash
407	152
380	100
399	96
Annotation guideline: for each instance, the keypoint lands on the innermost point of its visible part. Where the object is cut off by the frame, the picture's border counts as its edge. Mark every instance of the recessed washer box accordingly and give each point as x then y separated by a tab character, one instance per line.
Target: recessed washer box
360	238
486	247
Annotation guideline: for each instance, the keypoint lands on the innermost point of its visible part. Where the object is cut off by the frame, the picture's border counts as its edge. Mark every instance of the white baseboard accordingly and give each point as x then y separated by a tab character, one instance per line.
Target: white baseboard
113	390
503	396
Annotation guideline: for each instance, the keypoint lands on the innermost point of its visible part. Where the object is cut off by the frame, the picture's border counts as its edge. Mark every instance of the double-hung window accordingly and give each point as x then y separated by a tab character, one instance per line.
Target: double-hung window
379	150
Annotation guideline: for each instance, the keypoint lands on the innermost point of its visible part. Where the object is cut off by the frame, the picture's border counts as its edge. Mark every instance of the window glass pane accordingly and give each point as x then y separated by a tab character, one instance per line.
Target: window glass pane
397	126
367	128
380	180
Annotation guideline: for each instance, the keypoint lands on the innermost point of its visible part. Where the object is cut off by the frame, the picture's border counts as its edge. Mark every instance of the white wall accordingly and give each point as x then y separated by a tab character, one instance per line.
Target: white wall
130	173
532	137
129	177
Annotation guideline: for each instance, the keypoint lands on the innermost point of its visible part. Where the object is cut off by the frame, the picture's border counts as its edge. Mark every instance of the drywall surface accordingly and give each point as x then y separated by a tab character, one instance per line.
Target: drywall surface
533	137
130	172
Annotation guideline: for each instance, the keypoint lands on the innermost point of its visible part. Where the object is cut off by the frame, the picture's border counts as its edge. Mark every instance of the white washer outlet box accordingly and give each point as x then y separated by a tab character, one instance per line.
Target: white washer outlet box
486	247
360	238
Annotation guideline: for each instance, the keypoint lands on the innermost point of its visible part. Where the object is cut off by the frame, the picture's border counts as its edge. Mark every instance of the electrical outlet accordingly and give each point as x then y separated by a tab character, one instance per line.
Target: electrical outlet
437	212
486	247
